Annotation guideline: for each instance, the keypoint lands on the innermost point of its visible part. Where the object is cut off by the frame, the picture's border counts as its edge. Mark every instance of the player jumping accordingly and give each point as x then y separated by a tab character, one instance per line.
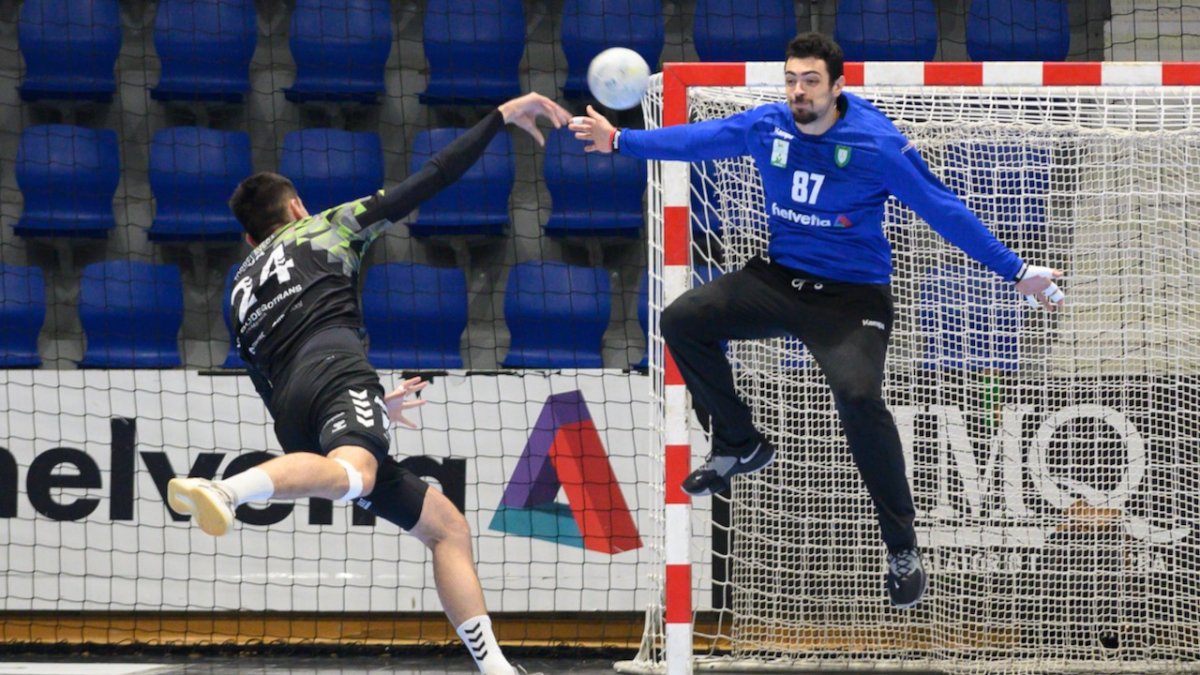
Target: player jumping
299	326
828	161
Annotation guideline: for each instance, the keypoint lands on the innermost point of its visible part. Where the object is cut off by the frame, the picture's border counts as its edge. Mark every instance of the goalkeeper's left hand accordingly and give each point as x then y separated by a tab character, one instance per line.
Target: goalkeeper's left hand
1036	283
396	405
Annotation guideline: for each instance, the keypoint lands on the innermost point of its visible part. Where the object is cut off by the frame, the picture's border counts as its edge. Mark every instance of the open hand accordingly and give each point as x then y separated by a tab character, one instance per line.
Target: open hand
594	128
396	405
1038	287
524	112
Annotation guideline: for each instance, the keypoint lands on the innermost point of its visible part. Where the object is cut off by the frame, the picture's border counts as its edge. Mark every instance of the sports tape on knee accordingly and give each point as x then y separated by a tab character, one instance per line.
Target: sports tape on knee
356	481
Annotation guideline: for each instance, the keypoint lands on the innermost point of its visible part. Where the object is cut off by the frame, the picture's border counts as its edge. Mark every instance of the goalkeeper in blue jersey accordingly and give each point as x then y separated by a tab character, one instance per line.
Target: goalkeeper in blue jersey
828	161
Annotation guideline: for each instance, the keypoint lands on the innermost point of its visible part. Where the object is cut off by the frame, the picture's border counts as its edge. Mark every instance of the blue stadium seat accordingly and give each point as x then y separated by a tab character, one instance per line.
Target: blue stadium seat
415	315
68	176
474	48
131	314
477	203
340	48
1007	186
592	193
205	47
969	320
232	359
192	174
643	312
22	313
887	30
331	166
556	314
706	221
1018	30
700	275
70	48
591	26
743	30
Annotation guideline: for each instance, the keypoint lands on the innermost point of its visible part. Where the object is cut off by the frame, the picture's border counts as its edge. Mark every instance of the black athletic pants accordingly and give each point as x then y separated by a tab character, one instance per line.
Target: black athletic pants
846	328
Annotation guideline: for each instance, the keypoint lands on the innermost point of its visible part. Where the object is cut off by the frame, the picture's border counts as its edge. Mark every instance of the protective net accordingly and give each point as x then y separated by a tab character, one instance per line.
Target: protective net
1054	458
126	126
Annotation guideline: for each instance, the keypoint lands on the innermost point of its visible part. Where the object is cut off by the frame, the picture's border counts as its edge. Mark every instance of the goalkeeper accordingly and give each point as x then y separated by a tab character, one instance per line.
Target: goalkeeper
828	162
299	326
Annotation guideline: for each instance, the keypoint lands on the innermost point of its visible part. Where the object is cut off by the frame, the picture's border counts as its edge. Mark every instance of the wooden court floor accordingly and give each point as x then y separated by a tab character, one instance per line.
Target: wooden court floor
84	664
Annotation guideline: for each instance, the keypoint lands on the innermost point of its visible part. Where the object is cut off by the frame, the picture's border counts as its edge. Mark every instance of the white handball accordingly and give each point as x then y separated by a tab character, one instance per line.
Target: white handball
618	77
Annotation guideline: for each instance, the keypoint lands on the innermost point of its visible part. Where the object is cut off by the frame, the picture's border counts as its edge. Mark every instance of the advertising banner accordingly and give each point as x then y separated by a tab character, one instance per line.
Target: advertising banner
549	468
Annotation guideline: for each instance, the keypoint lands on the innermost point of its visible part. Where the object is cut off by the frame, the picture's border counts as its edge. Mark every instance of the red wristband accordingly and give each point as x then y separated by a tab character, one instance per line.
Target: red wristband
612	137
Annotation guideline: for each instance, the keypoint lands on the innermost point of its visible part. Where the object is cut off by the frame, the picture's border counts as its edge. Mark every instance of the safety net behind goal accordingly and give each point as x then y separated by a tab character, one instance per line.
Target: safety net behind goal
1054	458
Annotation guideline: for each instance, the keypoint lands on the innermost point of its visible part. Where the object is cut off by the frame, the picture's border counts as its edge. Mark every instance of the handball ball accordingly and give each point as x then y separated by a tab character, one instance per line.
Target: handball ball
618	77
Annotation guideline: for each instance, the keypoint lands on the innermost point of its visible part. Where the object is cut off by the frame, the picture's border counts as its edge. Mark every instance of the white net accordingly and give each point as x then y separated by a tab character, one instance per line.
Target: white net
1054	459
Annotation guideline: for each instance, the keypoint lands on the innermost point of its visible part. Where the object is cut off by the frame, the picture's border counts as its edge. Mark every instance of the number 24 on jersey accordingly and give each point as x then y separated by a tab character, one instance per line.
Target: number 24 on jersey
276	265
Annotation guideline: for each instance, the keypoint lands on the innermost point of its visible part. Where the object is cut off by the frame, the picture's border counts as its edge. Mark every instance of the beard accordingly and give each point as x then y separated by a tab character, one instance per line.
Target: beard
804	115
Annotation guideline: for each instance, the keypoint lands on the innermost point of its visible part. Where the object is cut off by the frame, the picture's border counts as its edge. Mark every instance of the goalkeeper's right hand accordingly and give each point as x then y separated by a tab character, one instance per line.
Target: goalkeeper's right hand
1036	283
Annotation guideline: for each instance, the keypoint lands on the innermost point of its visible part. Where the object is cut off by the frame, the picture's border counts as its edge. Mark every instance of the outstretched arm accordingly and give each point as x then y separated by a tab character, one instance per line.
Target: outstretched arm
909	178
713	139
452	161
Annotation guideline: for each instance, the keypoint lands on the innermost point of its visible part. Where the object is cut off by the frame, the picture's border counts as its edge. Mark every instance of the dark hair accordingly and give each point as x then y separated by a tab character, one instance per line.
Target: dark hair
261	203
818	46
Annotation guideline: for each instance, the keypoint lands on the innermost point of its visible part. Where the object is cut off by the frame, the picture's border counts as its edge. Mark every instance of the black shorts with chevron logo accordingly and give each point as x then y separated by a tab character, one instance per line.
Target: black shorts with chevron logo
331	399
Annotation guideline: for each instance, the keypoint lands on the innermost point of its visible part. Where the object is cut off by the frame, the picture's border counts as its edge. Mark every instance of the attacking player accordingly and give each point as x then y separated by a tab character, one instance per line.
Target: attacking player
295	309
828	161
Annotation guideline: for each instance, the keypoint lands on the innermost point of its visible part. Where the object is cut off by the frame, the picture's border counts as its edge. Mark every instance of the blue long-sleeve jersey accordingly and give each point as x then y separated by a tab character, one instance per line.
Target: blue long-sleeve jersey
825	194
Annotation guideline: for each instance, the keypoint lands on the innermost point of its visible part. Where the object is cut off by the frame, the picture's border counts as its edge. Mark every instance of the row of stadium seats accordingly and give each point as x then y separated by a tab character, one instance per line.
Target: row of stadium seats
68	176
132	312
474	47
416	315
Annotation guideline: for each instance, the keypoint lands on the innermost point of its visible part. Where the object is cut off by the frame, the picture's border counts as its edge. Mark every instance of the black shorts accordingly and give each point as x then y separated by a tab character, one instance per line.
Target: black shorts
398	497
330	396
331	399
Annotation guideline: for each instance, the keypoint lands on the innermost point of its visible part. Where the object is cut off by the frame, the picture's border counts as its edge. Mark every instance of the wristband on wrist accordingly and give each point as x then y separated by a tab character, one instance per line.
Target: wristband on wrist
1021	272
613	139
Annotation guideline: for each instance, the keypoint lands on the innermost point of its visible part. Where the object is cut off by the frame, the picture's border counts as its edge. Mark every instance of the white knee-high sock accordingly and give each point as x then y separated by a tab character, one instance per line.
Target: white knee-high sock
251	485
476	634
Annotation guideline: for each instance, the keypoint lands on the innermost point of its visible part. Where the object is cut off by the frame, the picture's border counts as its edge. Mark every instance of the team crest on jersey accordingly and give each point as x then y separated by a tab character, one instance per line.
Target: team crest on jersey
841	156
779	153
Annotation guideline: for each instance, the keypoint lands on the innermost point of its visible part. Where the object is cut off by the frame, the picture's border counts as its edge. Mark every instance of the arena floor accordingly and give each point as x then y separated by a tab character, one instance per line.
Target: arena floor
325	665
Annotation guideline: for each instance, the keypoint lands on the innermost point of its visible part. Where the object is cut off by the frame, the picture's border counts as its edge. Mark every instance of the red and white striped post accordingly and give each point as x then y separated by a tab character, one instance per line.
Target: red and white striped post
677	233
676	239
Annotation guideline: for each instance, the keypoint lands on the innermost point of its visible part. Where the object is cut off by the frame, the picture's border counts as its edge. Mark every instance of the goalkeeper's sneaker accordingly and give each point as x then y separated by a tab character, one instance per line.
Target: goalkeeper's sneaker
212	506
719	468
906	579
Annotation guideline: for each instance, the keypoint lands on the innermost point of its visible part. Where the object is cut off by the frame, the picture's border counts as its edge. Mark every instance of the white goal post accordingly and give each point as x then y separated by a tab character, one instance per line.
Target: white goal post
1054	459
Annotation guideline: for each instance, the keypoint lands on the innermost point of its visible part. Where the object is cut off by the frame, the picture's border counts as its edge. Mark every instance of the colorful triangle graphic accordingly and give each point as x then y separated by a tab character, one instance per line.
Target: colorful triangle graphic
565	451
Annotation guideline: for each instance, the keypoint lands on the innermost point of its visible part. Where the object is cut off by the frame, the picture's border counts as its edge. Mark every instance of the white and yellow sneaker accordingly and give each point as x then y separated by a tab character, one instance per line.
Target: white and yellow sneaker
212	508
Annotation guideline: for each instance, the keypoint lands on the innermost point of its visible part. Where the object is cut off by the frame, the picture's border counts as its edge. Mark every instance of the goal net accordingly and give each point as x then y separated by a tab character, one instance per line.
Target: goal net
1054	458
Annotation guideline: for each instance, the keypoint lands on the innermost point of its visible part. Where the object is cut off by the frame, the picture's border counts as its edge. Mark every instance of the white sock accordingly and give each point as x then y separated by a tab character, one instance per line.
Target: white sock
251	485
476	634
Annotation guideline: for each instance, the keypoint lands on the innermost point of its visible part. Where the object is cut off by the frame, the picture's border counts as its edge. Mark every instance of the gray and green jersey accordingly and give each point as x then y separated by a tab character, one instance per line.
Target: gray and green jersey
301	279
304	277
